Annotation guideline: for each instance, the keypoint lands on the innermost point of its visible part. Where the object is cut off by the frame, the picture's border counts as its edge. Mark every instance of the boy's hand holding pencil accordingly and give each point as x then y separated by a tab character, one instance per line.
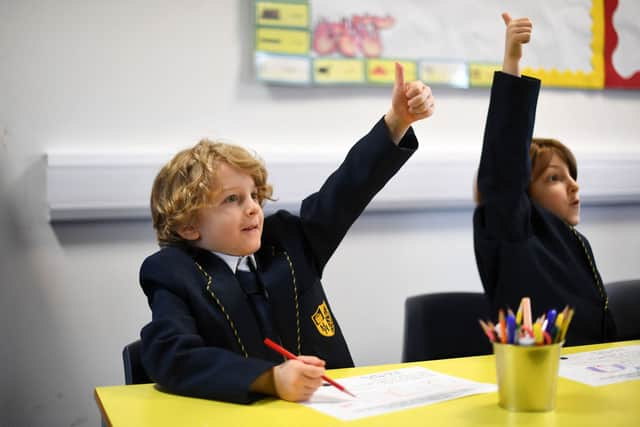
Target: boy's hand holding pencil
298	392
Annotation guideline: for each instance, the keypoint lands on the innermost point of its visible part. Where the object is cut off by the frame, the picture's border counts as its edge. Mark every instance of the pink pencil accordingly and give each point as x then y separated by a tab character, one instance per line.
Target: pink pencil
526	312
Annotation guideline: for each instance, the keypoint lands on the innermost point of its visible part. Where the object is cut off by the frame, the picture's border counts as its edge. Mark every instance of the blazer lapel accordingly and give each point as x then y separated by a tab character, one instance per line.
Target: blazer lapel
225	292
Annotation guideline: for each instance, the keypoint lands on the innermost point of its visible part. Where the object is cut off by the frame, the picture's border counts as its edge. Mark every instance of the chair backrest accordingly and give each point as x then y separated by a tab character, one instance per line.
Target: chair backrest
445	325
624	304
134	372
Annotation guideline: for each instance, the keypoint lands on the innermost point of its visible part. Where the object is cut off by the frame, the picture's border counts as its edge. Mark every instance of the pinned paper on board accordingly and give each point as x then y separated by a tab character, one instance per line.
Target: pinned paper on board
586	44
602	367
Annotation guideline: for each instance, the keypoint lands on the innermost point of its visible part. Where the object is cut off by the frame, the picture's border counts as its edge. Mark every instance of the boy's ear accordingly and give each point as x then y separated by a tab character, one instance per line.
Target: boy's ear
188	232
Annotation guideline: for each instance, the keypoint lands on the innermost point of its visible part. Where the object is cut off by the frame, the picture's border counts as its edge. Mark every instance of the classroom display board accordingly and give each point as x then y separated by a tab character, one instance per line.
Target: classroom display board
588	44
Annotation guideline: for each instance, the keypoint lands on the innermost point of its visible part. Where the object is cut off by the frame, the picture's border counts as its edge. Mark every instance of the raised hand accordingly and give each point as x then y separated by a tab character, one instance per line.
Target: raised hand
410	102
518	32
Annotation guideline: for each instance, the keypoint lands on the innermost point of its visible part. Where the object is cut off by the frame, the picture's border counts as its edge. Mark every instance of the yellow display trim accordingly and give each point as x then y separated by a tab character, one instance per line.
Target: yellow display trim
580	79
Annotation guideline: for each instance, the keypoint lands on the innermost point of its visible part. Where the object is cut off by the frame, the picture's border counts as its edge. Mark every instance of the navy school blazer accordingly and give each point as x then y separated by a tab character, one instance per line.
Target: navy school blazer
204	340
521	248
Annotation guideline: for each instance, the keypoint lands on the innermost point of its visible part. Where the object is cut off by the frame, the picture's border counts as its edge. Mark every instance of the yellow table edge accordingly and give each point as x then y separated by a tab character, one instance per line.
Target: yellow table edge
141	405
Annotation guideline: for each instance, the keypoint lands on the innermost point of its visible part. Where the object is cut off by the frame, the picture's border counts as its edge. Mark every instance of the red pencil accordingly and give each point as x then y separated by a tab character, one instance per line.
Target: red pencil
283	351
487	330
503	327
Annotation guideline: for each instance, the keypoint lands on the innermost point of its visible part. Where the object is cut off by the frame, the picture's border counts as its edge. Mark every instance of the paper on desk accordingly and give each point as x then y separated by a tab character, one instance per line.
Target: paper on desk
390	391
602	367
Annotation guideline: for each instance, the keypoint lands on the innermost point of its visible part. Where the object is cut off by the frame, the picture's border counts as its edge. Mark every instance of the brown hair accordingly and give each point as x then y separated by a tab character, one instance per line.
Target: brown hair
186	183
540	152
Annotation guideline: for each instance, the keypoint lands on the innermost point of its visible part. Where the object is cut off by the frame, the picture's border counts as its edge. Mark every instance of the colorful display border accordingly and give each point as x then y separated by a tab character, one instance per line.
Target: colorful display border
612	78
283	55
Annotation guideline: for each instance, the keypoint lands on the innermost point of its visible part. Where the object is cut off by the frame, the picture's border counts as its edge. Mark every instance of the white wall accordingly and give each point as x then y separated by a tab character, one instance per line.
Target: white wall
140	74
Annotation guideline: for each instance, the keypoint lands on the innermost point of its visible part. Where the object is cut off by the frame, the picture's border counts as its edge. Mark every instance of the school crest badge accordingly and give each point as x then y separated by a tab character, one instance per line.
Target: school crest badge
323	320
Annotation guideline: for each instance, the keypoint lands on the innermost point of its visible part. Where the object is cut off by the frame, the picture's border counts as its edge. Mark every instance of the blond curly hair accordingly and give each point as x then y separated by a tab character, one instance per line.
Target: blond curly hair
186	183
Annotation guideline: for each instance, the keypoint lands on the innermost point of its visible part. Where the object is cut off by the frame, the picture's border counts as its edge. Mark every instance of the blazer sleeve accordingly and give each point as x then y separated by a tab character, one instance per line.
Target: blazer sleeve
505	167
175	355
327	214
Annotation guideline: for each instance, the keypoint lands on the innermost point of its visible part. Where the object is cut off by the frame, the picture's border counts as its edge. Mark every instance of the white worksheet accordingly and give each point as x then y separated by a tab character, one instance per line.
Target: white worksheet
390	391
602	367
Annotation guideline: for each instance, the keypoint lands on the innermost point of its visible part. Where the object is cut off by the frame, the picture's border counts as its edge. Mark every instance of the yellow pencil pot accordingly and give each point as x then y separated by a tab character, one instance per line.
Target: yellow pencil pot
527	376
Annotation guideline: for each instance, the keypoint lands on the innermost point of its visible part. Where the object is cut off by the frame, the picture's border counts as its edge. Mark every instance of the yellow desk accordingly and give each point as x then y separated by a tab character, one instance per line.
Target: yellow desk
576	404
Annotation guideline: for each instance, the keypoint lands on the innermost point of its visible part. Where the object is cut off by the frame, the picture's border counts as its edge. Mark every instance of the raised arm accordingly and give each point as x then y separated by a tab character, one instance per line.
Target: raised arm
505	170
327	214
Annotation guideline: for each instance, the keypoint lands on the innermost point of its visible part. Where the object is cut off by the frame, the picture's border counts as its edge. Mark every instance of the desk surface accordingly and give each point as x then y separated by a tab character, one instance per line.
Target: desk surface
577	404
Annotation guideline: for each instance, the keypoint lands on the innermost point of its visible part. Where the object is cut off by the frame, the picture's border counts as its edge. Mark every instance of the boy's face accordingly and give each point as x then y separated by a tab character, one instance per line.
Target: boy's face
232	222
556	191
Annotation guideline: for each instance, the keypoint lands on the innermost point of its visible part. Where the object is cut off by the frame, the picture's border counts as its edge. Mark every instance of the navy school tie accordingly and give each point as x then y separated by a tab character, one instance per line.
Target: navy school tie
259	298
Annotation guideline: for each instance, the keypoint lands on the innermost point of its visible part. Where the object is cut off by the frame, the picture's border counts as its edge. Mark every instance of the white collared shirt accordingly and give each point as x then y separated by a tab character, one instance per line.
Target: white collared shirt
235	262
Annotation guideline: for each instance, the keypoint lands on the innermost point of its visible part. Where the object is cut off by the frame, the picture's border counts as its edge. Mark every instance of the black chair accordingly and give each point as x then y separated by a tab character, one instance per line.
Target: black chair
445	325
134	372
624	303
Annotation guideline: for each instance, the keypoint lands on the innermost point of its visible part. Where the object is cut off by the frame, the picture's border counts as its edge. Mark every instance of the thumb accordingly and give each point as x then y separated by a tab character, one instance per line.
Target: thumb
506	18
399	84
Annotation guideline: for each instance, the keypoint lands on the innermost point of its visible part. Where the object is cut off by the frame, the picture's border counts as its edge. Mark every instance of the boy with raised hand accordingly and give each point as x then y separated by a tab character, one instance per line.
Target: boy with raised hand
525	239
225	277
